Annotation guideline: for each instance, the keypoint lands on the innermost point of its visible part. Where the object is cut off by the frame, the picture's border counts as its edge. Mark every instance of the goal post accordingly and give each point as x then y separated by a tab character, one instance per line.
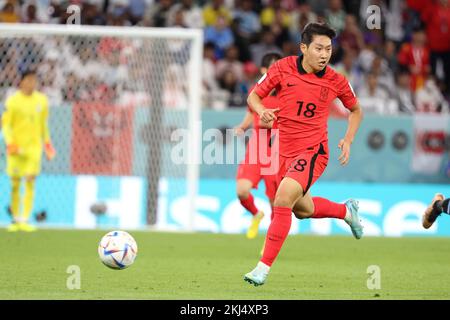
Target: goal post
116	94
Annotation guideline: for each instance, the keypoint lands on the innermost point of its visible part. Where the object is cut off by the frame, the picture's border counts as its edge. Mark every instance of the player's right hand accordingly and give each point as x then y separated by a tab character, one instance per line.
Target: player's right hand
268	115
12	149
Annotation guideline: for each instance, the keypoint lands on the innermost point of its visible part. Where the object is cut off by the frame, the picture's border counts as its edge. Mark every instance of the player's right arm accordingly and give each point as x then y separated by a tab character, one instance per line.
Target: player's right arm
7	128
255	102
265	85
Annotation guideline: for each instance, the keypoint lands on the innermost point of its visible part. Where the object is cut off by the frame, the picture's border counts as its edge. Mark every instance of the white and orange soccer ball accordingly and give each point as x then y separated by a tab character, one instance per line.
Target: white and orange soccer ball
117	250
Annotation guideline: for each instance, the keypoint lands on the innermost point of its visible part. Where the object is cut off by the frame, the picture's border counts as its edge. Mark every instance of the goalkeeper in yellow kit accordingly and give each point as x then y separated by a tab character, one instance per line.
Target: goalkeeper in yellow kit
26	134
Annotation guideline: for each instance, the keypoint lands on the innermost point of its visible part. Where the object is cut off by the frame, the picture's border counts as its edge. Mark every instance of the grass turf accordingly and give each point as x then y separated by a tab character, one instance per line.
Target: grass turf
211	266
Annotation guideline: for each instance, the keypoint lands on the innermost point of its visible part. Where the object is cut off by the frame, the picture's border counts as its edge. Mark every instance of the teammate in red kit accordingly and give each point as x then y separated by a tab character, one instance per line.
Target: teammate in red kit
251	170
306	87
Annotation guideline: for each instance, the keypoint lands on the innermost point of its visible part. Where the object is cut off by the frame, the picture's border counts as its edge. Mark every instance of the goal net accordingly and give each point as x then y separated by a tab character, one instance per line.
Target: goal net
117	97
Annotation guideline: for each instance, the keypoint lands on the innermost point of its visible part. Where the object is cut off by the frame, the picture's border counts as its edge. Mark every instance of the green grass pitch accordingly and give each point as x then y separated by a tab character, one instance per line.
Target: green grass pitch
211	266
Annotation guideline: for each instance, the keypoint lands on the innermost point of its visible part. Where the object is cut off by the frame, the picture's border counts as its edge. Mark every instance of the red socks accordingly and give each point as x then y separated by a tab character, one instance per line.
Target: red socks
324	208
249	204
277	233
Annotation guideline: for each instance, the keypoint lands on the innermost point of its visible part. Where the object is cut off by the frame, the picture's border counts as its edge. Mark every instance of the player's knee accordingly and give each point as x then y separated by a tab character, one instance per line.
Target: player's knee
283	201
243	194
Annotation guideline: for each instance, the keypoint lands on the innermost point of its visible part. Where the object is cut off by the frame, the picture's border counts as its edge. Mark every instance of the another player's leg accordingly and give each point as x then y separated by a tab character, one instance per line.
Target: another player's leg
247	200
28	200
15	204
437	206
324	208
287	194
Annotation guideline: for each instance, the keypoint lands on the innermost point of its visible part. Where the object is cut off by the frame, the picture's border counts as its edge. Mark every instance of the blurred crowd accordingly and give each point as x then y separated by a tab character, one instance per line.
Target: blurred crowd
395	53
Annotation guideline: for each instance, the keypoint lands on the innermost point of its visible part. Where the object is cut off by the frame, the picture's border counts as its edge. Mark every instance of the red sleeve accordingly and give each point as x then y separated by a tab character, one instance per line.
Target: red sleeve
425	8
403	55
346	94
269	81
417	5
249	91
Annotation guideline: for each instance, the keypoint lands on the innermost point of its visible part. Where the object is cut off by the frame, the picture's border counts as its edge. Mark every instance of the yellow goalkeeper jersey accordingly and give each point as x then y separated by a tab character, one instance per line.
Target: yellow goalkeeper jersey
25	122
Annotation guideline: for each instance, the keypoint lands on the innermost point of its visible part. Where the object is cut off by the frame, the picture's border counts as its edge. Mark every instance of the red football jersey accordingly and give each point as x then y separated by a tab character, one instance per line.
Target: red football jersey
304	100
269	102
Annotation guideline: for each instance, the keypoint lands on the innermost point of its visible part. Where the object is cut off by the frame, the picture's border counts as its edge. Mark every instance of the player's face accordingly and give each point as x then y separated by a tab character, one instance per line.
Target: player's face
318	53
29	83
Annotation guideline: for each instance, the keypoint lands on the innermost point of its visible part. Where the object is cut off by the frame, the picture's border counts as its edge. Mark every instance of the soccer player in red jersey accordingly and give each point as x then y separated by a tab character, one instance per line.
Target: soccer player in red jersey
250	171
306	87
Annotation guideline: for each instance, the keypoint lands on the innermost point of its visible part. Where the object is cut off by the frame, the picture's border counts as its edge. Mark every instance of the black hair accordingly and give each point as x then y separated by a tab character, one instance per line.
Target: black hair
268	58
315	28
26	73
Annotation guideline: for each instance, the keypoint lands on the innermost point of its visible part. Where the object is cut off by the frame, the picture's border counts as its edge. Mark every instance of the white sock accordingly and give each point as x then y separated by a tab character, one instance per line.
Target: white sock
263	266
348	216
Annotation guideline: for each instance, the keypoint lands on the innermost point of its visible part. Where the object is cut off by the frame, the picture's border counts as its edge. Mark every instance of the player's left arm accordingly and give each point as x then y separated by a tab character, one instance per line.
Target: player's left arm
50	151
354	121
348	98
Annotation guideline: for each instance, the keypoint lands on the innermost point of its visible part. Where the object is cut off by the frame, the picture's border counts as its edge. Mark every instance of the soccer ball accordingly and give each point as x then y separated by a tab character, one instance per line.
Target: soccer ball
117	250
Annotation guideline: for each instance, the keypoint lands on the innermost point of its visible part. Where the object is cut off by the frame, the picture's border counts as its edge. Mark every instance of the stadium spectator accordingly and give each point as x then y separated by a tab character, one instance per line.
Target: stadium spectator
385	76
351	37
251	73
136	10
394	14
51	77
266	45
71	90
436	16
213	11
349	68
429	99
403	95
300	18
366	56
157	15
416	57
248	19
373	97
92	15
390	55
9	12
192	16
118	13
242	43
231	62
220	34
212	95
318	7
275	13
86	63
175	91
30	14
9	70
229	82
335	15
177	20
